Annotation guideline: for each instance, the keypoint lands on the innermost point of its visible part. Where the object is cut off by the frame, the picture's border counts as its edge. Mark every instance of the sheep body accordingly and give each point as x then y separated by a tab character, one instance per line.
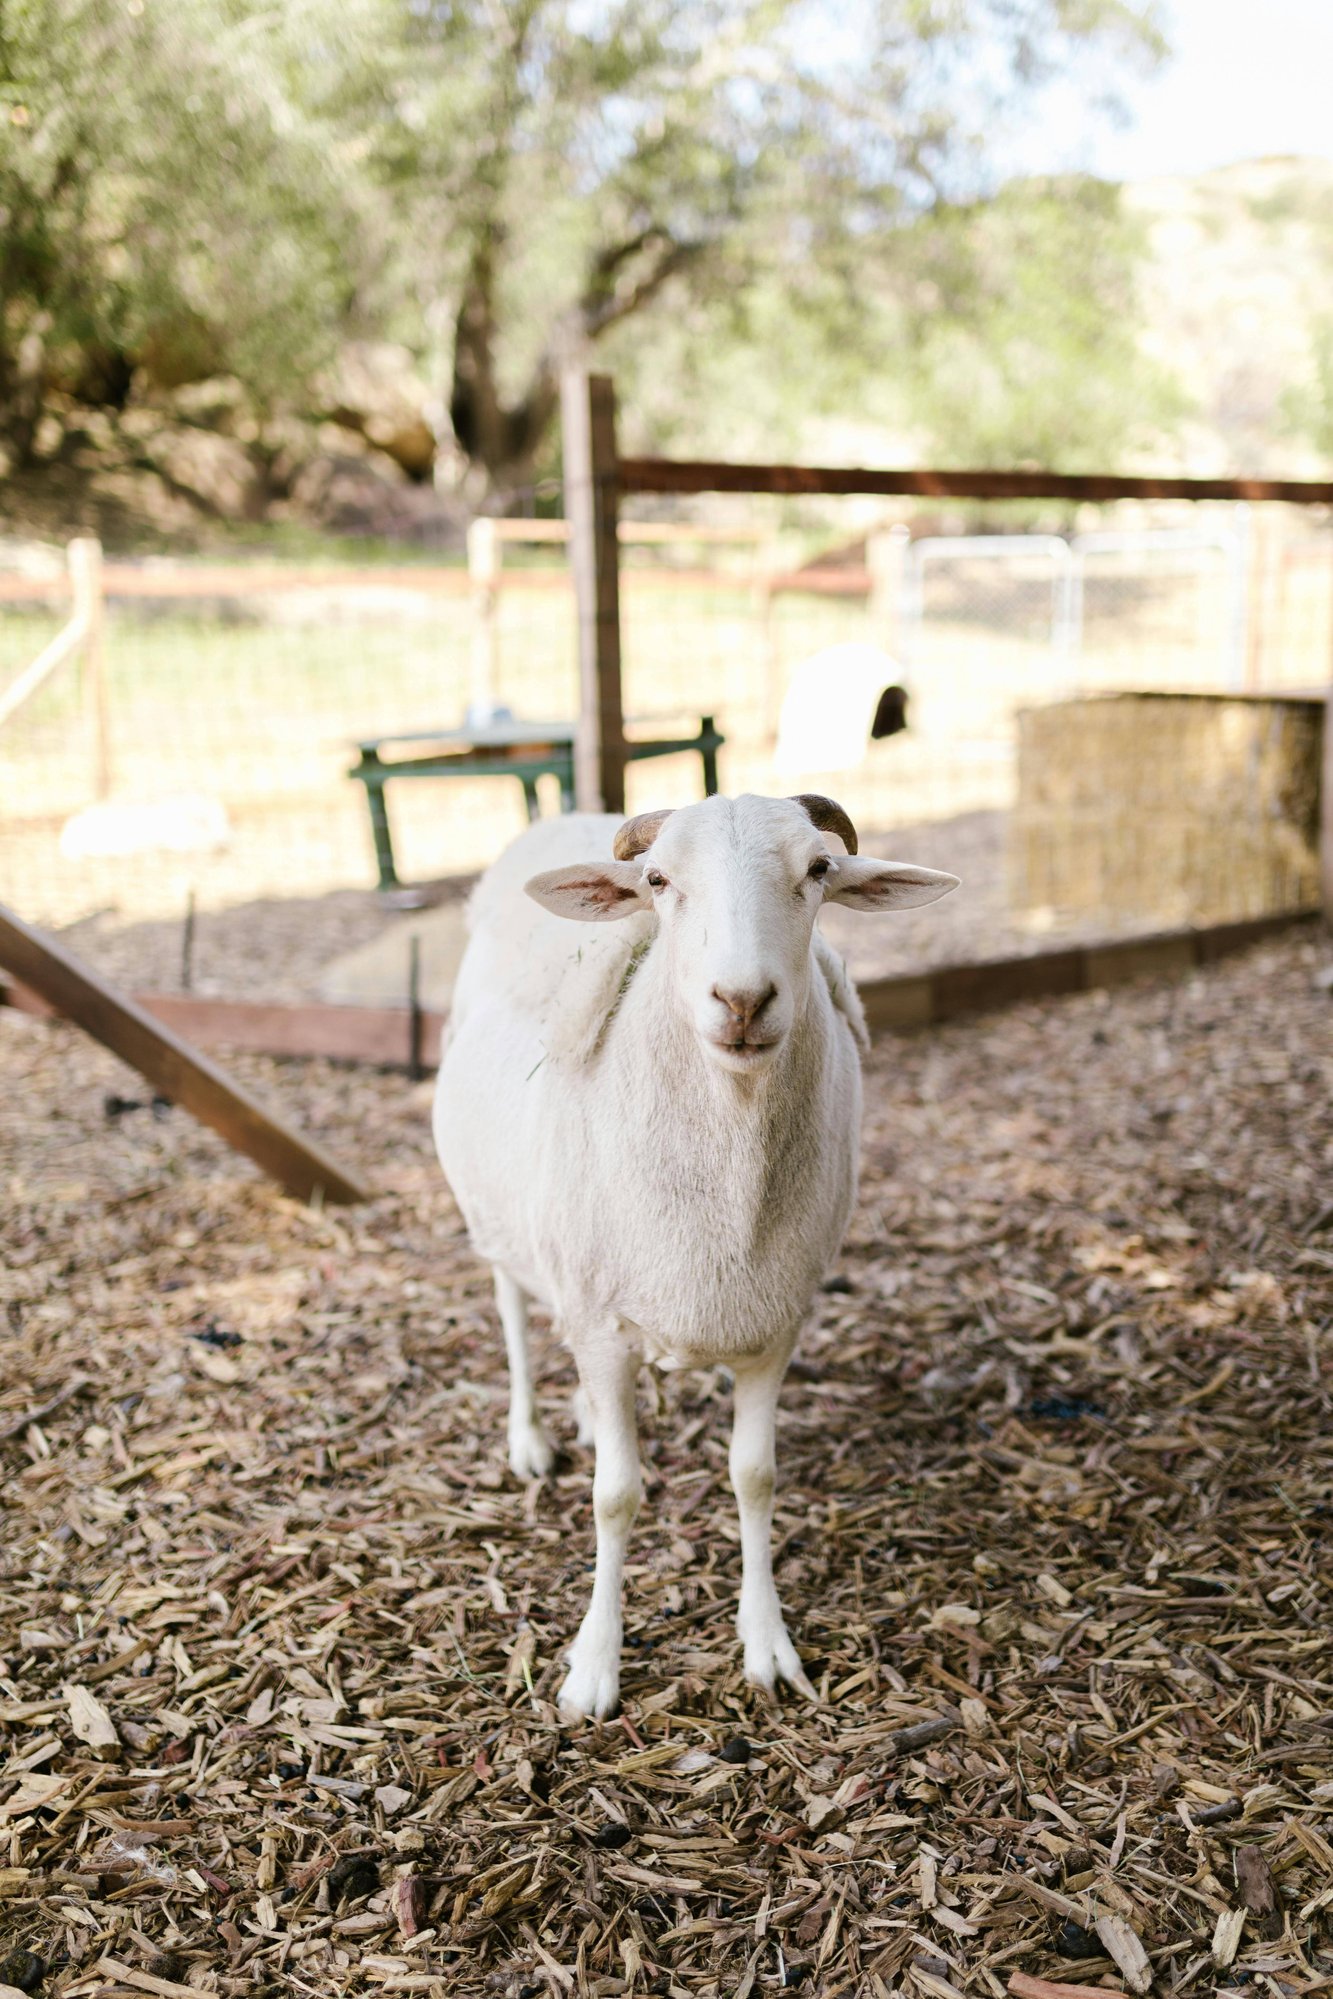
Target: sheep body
651	1127
652	1198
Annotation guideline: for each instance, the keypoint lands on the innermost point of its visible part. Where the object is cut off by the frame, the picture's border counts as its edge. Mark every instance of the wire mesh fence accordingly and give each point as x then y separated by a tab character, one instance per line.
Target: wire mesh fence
234	697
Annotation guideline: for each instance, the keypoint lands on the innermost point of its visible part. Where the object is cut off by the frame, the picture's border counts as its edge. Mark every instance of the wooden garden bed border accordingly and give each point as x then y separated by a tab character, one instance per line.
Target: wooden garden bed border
44	977
382	1036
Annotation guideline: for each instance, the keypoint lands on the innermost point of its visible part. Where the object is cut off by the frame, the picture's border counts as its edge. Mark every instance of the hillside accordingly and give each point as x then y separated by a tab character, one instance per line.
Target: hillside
1240	272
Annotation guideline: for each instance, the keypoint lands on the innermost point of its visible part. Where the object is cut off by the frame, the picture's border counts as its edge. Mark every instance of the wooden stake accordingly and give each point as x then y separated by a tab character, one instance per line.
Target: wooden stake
180	1072
588	411
483	564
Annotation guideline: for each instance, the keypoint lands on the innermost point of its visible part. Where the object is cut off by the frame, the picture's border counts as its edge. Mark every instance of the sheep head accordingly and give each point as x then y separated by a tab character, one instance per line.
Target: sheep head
736	885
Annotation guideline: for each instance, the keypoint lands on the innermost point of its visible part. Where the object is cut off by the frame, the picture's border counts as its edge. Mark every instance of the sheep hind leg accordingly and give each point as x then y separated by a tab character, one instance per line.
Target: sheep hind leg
607	1375
531	1453
769	1653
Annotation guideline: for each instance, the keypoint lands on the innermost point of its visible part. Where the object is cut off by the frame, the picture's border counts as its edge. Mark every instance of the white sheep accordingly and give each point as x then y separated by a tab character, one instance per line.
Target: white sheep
653	1131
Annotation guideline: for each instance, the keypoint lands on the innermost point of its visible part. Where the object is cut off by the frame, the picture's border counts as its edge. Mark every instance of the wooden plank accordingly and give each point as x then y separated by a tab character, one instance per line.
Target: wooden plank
85	568
951	992
960	989
1149	958
379	1035
588	412
248	579
674	475
898	1003
180	1072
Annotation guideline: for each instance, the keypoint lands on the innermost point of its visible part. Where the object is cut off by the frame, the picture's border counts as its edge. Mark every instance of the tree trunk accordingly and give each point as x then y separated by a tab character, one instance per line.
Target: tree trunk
23	392
499	440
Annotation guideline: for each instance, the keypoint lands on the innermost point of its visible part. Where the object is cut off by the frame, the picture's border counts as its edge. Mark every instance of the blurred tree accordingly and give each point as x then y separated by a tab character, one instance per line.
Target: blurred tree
1022	330
564	165
173	196
1308	406
194	187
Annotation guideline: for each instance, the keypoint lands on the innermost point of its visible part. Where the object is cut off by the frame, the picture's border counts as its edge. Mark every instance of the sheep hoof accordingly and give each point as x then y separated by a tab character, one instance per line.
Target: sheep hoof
531	1452
592	1685
770	1656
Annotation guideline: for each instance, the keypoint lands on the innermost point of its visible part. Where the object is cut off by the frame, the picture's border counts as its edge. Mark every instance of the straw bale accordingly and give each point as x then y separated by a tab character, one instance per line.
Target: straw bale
1188	809
1052	1528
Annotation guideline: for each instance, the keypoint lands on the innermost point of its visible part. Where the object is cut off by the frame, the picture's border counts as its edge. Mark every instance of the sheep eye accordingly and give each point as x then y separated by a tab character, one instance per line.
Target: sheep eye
818	870
656	880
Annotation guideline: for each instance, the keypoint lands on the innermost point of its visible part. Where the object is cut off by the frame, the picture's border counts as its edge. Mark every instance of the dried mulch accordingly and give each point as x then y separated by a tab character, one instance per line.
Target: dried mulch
279	1634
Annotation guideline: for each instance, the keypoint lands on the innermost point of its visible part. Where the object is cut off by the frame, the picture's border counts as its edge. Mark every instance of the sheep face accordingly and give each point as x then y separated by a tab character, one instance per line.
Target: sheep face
736	885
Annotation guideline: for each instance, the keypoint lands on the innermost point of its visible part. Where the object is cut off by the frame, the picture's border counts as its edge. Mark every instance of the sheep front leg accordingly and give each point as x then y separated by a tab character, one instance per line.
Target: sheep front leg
607	1375
769	1653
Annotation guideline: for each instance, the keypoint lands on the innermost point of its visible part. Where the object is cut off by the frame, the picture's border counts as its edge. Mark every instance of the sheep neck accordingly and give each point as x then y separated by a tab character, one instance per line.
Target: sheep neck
737	1141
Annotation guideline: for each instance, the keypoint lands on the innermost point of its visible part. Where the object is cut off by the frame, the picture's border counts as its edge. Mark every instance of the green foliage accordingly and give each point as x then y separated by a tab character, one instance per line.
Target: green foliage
209	186
169	197
1308	408
1024	329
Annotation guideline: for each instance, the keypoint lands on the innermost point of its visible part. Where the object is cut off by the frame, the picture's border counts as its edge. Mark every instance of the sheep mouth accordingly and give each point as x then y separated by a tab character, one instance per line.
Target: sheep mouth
745	1053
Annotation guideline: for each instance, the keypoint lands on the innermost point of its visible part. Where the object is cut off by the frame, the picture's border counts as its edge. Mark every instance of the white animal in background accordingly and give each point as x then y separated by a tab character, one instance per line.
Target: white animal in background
187	823
829	709
653	1131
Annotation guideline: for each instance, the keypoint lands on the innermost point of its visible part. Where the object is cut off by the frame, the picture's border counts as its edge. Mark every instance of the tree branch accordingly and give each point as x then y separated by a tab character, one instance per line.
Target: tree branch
603	305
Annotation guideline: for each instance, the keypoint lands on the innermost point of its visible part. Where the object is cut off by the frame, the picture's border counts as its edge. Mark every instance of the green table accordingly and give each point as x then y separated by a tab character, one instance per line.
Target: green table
522	750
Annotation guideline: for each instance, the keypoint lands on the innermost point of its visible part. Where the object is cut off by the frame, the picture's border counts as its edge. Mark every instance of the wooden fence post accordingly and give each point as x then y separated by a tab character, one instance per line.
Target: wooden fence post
85	571
886	559
1262	595
588	414
483	566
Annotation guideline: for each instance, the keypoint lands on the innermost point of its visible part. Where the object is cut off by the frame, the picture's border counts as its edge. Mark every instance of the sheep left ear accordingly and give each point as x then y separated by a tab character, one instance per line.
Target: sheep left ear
862	883
601	892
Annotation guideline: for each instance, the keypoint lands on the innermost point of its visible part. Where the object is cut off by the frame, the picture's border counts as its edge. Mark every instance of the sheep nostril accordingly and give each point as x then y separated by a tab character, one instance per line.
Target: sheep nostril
744	1005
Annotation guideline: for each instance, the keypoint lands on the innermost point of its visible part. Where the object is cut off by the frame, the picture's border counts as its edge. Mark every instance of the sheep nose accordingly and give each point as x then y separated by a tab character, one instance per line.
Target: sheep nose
744	1003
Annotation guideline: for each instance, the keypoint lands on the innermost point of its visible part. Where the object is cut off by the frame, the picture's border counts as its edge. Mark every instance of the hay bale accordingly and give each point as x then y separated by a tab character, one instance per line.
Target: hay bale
1183	808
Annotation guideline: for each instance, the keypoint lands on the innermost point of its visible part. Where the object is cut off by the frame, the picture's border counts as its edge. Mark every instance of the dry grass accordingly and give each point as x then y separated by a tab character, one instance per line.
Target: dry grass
1053	1533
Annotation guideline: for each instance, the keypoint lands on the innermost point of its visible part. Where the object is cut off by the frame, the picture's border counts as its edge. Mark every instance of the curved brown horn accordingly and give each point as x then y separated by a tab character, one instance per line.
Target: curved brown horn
637	834
828	815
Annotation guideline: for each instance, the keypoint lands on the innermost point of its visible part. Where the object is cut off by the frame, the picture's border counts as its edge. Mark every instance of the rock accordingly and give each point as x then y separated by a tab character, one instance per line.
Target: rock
24	1969
377	392
1075	1941
352	1877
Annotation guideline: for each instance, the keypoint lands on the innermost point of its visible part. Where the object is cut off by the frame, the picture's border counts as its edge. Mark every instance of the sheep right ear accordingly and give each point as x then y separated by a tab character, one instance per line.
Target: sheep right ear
601	892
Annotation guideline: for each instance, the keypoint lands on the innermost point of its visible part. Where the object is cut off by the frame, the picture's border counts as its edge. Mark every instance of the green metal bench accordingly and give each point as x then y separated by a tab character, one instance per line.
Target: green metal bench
522	750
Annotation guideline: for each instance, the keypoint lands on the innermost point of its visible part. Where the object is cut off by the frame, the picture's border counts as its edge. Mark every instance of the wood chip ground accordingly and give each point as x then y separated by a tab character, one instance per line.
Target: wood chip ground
279	1634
